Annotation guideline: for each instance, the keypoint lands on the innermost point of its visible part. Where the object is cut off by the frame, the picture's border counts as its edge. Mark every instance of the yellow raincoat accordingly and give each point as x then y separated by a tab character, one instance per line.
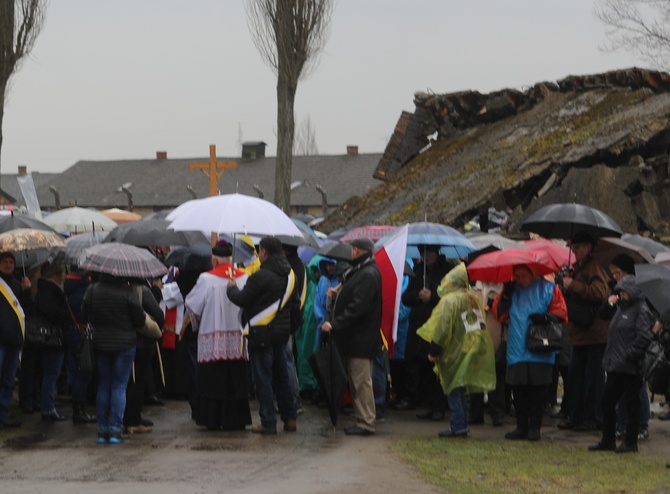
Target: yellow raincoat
457	325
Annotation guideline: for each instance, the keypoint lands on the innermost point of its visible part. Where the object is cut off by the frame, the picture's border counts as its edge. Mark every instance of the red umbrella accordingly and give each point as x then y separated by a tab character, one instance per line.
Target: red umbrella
559	253
497	267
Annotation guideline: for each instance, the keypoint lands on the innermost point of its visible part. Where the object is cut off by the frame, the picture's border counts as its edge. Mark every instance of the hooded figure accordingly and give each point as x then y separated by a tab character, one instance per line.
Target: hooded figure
456	326
628	336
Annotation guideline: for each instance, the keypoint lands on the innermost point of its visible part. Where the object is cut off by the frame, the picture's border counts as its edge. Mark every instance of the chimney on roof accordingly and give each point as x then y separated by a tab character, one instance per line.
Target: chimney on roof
253	150
23	170
352	150
161	155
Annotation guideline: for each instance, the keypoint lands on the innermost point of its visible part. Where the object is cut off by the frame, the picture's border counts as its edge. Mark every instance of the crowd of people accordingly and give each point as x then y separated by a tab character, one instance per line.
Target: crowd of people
233	332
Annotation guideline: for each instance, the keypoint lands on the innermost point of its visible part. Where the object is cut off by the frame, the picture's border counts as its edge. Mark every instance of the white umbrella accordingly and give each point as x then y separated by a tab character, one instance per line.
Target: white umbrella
79	220
234	214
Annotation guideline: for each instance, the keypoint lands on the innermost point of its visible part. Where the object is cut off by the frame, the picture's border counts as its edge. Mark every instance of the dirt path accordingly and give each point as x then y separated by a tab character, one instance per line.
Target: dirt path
179	457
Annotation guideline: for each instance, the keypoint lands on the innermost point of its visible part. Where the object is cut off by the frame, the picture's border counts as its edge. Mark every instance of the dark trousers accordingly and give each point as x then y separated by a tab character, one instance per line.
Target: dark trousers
30	380
619	385
587	383
135	390
529	405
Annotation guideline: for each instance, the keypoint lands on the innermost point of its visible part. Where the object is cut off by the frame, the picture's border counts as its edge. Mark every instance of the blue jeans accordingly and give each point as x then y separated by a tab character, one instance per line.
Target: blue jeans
113	373
458	405
263	361
9	362
379	382
52	363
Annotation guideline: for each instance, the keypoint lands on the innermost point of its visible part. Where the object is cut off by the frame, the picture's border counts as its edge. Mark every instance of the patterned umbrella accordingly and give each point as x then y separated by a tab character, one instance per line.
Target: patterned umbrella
121	260
30	246
21	239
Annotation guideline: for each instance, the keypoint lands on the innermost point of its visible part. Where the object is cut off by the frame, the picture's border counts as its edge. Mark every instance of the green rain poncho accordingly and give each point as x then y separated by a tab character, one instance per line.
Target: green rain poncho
457	326
305	336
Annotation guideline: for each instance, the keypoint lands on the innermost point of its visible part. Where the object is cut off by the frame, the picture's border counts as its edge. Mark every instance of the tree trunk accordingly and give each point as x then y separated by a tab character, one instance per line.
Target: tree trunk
285	129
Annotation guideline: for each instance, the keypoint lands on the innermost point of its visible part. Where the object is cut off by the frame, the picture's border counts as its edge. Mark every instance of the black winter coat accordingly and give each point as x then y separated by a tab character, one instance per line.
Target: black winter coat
357	312
629	332
114	310
51	304
10	328
264	288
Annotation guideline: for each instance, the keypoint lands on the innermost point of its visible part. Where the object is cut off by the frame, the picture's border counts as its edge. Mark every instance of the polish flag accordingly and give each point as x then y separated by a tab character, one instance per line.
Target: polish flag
391	263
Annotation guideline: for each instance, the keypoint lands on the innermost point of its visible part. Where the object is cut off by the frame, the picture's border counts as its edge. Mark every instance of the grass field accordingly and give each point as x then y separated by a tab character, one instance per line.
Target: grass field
485	466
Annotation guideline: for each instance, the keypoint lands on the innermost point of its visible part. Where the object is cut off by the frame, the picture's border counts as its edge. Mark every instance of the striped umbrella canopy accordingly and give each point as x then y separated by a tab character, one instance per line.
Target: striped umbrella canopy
121	260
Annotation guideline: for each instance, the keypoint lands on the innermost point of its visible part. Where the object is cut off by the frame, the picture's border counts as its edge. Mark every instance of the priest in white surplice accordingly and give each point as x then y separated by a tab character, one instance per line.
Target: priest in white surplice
223	391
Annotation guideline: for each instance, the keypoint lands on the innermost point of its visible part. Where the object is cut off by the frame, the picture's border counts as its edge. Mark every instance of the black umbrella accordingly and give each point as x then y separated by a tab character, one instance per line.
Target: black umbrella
12	222
337	251
192	258
154	232
565	219
329	372
654	281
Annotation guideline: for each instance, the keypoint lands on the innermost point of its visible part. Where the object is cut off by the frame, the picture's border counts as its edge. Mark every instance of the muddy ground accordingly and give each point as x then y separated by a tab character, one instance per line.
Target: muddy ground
179	457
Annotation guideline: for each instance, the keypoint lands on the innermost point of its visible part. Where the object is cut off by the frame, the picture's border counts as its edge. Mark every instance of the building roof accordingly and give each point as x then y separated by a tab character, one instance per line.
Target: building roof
10	185
162	183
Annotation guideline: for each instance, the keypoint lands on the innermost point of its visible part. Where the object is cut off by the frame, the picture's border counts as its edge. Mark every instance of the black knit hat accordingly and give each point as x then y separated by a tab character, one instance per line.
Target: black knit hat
625	263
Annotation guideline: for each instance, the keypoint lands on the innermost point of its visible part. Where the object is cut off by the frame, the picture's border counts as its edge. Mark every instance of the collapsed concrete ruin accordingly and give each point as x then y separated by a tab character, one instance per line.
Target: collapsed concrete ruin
600	140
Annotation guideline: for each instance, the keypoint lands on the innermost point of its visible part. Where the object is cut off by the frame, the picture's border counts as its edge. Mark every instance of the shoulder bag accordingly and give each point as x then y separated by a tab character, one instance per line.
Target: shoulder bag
86	352
150	328
545	333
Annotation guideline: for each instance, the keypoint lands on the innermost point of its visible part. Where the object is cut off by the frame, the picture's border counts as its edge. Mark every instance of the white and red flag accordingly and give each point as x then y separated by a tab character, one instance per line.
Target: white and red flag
391	262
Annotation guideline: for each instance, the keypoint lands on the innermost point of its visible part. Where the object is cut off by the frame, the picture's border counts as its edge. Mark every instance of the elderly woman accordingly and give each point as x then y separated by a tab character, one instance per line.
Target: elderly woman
113	308
528	373
628	336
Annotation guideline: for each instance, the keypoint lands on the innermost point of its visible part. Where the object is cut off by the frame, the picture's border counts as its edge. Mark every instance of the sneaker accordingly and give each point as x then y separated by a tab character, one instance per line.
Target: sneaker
103	438
626	448
643	435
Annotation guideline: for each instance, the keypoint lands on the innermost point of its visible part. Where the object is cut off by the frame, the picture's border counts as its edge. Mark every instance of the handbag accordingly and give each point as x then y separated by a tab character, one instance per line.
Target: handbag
151	329
581	312
545	333
86	353
42	332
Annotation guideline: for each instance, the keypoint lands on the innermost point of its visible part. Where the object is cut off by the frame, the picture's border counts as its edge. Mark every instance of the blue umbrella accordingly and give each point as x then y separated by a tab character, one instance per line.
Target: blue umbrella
453	244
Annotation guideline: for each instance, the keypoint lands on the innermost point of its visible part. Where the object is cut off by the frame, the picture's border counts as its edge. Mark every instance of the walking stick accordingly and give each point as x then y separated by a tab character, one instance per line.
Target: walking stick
160	363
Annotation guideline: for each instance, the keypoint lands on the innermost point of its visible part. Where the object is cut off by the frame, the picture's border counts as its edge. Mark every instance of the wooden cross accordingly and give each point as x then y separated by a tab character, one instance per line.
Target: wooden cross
213	170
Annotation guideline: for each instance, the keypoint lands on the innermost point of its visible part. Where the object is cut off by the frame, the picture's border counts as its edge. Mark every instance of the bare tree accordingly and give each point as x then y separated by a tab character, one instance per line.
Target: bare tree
290	35
304	141
21	22
640	26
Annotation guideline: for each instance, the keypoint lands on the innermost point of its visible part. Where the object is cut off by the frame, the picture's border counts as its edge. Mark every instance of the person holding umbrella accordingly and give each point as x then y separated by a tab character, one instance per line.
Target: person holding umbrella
528	372
114	310
585	289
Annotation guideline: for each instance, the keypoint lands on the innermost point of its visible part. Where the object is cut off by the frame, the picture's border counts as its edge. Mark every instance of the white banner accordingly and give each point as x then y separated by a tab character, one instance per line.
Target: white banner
30	195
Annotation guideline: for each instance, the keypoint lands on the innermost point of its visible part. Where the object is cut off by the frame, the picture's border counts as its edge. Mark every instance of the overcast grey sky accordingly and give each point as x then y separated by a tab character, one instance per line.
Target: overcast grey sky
124	79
